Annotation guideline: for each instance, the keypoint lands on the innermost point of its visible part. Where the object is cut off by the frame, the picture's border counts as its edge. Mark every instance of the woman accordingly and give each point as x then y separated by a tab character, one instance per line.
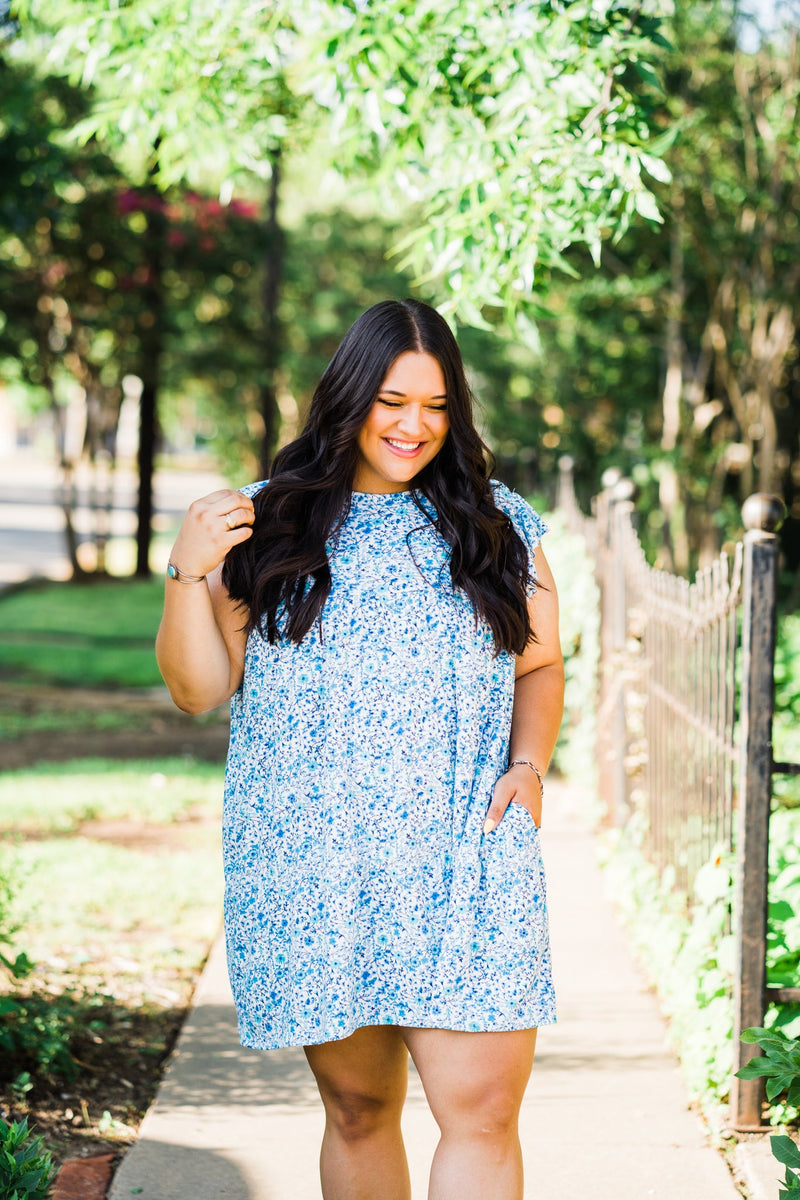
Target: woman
397	689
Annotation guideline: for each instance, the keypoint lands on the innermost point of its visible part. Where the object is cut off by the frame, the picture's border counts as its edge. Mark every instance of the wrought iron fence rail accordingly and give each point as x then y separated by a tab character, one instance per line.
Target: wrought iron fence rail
680	737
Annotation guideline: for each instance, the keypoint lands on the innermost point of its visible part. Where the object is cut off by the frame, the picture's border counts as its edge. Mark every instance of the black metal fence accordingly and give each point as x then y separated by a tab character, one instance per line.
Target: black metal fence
685	719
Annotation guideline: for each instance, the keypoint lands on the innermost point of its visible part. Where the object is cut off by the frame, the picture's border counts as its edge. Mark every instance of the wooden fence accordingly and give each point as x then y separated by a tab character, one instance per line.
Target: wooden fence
685	720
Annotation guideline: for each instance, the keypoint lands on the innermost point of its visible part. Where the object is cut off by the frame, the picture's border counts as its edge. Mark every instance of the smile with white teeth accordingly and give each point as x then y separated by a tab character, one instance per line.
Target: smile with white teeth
403	445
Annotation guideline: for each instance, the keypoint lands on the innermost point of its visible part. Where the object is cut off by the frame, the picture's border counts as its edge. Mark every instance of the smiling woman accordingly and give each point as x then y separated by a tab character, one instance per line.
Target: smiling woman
371	610
406	426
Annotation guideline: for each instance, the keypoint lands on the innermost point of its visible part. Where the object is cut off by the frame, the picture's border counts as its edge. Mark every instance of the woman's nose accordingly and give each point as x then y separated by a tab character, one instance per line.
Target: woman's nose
411	420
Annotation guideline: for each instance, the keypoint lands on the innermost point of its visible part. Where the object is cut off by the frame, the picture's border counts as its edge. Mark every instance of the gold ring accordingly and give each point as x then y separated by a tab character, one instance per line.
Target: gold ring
230	523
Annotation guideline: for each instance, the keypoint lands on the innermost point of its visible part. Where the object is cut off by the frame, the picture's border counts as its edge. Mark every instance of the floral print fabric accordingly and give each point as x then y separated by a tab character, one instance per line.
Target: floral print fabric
360	888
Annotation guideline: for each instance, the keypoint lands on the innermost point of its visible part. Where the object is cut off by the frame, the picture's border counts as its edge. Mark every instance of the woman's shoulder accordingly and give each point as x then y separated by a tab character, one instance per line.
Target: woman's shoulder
525	518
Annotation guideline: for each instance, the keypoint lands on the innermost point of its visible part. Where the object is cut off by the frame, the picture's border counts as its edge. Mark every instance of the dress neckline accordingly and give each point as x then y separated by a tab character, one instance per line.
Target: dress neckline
381	497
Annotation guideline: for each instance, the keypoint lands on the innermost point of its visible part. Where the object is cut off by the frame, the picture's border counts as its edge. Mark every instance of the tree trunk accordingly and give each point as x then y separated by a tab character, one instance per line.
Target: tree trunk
675	552
273	277
151	344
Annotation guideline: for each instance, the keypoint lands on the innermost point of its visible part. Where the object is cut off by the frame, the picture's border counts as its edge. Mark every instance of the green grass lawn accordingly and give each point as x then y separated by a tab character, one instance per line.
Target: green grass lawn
111	884
50	799
115	869
82	634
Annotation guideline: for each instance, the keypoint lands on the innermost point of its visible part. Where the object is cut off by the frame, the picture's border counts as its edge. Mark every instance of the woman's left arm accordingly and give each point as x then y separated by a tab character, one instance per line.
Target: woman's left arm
538	705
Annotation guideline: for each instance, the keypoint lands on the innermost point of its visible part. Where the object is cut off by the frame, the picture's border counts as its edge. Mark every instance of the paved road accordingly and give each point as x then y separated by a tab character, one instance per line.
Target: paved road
32	523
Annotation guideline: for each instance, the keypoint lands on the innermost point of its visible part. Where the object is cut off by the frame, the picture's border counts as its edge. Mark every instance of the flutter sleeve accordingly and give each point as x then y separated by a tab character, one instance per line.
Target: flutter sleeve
527	522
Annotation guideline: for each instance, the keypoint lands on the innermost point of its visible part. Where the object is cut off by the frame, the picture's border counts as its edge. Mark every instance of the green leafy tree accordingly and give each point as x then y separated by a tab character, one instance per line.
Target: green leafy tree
513	131
734	261
66	330
520	128
677	360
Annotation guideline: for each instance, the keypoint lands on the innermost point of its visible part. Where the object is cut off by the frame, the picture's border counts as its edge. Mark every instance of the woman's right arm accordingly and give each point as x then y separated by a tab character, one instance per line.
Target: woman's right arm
201	640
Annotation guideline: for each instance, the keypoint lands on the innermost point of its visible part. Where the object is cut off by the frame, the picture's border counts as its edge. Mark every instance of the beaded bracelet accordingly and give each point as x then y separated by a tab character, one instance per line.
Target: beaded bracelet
526	762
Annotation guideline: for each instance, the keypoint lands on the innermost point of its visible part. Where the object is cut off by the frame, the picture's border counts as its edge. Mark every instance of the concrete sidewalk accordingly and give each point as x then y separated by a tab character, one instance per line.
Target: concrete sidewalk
605	1117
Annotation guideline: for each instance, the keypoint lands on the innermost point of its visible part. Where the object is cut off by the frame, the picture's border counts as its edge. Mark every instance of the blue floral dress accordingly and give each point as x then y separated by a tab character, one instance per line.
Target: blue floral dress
360	888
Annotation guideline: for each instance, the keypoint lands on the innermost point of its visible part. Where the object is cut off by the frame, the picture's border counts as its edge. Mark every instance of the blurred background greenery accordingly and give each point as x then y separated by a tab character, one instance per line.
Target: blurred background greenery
194	208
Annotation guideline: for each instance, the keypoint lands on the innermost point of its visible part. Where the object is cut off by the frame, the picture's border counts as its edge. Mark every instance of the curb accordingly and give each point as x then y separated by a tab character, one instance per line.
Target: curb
759	1170
85	1178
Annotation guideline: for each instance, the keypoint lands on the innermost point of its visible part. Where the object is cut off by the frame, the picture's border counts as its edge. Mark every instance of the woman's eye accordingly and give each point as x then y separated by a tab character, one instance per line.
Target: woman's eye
389	403
438	407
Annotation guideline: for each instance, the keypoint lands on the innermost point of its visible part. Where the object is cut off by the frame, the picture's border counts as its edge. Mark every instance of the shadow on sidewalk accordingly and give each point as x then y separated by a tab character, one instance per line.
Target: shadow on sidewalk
213	1065
172	1167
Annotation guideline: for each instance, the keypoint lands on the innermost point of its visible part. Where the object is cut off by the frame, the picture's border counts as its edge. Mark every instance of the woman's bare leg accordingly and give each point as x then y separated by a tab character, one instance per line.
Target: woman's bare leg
475	1083
362	1081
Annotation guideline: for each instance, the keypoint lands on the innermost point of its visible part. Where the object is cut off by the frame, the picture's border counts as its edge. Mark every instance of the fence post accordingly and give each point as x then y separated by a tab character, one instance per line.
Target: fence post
762	515
612	727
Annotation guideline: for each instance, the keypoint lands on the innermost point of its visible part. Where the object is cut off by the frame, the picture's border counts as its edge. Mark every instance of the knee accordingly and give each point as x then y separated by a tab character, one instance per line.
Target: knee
356	1115
491	1113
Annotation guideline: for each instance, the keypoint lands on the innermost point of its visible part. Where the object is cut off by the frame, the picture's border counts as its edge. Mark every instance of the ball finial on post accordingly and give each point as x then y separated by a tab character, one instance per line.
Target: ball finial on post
763	511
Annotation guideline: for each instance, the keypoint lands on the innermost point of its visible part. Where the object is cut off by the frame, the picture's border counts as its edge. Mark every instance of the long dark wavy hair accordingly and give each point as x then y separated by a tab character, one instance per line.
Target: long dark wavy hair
282	573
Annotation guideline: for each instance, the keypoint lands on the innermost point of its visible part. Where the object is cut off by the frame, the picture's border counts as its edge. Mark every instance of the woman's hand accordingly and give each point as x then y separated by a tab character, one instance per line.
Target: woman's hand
519	785
211	527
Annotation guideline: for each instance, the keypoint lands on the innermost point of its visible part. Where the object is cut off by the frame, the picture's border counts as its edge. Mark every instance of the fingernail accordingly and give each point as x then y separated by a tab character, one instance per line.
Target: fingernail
489	825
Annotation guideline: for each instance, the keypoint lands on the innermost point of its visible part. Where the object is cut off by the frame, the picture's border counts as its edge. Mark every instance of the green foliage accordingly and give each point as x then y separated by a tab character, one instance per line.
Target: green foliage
27	1171
519	129
36	1032
19	965
779	1064
82	634
786	729
32	1030
690	953
690	960
787	1153
579	626
696	294
783	938
204	83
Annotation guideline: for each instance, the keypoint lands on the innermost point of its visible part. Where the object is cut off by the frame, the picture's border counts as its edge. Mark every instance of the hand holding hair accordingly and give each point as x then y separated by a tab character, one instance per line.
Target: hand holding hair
212	526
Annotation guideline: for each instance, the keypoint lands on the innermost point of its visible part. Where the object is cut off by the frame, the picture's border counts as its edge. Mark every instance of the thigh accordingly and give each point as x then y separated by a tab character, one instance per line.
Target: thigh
371	1065
484	1074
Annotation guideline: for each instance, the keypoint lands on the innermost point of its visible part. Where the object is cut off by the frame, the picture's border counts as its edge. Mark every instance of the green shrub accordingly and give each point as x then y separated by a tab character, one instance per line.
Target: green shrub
779	1064
27	1171
33	1032
690	961
787	708
36	1034
19	965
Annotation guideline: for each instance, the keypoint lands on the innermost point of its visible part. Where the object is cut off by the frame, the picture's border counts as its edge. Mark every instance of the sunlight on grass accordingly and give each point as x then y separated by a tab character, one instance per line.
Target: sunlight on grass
132	901
82	634
120	909
57	799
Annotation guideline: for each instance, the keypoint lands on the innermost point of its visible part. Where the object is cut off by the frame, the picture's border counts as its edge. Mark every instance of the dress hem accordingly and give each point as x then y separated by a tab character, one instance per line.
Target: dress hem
339	1036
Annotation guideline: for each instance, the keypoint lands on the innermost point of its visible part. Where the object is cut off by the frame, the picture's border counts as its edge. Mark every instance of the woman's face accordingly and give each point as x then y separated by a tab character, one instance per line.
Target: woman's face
406	427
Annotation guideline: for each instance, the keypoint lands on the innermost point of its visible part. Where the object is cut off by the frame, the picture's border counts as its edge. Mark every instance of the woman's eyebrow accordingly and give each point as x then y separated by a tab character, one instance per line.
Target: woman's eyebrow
391	392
